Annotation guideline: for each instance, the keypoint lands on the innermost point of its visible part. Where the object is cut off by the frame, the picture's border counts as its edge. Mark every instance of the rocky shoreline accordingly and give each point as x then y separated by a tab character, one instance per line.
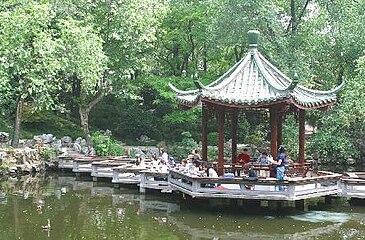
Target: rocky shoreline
36	155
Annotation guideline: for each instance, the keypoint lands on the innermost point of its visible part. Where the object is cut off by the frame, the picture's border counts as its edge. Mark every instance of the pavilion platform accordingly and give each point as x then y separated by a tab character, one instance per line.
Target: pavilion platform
291	189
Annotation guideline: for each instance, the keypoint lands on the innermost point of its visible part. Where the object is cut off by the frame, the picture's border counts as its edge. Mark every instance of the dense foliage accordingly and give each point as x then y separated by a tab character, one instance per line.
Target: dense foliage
108	64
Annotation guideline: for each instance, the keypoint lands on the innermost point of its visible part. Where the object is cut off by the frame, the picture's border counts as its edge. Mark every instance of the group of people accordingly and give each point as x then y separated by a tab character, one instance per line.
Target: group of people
280	162
193	162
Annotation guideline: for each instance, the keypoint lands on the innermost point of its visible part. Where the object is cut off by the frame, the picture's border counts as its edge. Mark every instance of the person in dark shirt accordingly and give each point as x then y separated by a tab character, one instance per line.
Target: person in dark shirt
243	157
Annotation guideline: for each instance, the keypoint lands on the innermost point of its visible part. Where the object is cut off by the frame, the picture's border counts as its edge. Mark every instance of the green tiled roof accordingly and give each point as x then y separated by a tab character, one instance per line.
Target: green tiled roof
255	82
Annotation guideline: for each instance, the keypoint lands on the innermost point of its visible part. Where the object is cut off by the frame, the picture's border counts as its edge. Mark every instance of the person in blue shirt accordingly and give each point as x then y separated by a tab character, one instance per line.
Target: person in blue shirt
262	159
280	164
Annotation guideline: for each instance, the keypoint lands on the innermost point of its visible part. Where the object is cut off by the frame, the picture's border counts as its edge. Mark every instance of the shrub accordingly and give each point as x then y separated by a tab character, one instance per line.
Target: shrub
104	145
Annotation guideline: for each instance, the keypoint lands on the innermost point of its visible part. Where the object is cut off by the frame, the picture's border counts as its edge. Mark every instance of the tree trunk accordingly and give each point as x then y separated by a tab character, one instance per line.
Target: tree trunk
18	120
84	118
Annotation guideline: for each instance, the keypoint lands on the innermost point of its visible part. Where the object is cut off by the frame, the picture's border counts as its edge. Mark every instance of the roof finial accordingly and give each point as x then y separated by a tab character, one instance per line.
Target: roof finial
294	82
253	38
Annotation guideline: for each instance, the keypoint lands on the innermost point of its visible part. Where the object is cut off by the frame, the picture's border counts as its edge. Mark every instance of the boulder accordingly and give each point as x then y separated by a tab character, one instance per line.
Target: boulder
4	137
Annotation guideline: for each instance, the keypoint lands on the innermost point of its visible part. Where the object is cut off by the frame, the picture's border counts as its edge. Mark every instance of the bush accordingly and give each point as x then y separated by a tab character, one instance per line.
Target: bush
104	145
181	150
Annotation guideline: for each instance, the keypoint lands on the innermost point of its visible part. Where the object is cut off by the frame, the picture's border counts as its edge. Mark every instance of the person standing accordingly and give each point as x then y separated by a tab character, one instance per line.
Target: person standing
280	163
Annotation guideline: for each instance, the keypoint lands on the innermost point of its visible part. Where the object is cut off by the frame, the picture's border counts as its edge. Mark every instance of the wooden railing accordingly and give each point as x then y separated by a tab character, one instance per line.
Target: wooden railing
264	189
154	180
353	185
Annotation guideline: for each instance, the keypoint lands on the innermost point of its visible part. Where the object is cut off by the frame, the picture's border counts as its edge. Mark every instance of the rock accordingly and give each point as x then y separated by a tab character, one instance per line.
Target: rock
57	144
66	141
83	143
48	138
4	137
37	139
77	147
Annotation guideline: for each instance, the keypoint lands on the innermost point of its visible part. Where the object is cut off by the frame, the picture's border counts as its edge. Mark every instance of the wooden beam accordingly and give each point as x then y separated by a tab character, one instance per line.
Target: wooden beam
301	136
205	117
221	118
234	134
274	131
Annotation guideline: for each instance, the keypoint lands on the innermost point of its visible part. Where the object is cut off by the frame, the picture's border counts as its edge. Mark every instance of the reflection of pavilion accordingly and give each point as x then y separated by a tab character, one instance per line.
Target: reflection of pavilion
145	204
206	233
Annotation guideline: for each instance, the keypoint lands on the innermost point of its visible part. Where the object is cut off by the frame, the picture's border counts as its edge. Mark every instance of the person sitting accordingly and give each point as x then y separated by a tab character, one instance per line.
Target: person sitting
194	156
243	157
212	173
197	166
164	155
183	164
263	159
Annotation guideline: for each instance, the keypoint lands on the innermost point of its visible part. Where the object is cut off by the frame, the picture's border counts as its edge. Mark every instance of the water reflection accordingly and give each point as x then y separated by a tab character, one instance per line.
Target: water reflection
89	210
322	216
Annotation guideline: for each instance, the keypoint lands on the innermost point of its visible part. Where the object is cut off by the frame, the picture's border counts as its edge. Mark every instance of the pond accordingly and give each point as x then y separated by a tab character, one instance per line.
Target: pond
82	209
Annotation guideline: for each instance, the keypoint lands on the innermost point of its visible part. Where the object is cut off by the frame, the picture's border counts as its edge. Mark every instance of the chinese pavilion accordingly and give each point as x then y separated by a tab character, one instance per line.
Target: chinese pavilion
254	83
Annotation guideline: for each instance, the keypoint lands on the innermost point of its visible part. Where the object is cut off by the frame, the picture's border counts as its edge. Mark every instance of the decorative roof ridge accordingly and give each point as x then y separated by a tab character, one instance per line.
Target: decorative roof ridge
267	77
273	67
182	92
321	92
228	79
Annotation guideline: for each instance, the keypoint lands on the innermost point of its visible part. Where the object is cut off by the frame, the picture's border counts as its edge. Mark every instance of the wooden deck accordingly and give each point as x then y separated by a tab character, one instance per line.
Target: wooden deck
301	183
353	185
84	164
66	161
127	175
260	189
104	169
154	180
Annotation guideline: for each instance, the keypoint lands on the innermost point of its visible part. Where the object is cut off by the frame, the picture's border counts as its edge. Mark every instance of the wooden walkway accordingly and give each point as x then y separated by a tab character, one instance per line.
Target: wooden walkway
301	183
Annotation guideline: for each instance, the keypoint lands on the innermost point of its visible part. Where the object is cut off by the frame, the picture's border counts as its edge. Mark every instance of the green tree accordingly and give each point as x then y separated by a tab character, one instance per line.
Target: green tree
84	65
29	57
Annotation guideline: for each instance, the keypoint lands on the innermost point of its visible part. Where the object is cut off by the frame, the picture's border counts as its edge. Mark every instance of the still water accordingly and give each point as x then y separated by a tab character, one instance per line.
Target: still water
81	209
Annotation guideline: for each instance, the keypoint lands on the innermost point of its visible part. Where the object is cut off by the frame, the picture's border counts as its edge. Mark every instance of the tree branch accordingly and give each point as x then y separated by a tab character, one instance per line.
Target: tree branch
98	98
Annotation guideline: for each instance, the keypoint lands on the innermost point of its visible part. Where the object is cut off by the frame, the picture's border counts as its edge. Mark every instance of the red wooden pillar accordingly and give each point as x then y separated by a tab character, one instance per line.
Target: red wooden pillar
301	136
204	133
280	129
234	134
221	118
274	131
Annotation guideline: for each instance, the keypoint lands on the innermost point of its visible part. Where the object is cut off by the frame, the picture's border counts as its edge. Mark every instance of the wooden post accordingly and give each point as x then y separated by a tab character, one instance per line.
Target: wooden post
221	118
274	131
204	133
301	136
280	129
234	134
301	205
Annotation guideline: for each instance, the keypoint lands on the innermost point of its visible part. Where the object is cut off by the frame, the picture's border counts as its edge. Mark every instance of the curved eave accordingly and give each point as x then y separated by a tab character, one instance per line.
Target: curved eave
309	106
246	105
182	92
